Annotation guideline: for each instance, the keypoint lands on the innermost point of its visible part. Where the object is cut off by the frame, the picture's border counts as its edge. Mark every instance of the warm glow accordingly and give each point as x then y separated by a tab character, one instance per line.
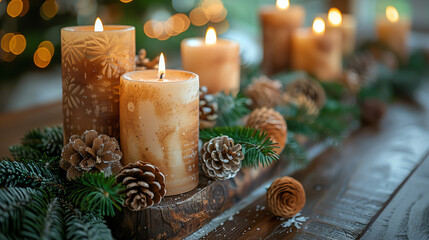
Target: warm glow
392	14
211	36
14	8
42	57
17	44
319	25
199	16
98	26
282	4
334	16
161	67
49	9
5	41
48	45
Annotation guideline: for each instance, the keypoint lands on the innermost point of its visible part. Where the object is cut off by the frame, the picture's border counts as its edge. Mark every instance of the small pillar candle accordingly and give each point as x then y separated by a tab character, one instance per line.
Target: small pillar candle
93	58
278	24
159	124
394	32
216	61
345	24
317	52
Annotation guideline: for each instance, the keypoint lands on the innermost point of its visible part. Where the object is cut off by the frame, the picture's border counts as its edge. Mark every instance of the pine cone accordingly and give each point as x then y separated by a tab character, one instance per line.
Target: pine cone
272	122
145	185
364	66
264	92
221	159
309	88
372	111
352	81
91	152
208	109
303	102
285	197
143	63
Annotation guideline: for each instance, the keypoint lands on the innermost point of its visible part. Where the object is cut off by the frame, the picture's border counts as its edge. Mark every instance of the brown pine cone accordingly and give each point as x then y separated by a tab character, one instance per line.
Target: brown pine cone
91	152
272	122
264	92
352	80
208	109
285	197
372	111
221	159
364	66
303	102
143	63
309	88
145	185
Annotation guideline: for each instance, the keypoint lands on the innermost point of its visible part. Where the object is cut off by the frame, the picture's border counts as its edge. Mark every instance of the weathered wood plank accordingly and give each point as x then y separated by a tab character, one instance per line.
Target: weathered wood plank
407	215
346	187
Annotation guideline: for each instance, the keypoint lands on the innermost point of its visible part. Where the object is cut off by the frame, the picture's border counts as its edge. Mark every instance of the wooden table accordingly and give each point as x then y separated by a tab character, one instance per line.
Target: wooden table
374	186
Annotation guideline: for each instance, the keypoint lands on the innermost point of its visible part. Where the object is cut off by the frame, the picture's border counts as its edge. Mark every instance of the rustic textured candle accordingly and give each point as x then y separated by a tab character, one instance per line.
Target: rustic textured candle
92	62
216	61
159	124
345	24
278	23
317	52
394	32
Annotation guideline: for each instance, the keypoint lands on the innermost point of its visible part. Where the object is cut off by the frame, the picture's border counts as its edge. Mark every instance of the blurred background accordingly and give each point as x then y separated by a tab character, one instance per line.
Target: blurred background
27	26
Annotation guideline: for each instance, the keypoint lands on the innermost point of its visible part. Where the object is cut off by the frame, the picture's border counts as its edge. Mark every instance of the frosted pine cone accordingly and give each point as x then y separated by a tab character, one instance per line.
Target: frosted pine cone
91	152
143	63
221	159
145	185
208	109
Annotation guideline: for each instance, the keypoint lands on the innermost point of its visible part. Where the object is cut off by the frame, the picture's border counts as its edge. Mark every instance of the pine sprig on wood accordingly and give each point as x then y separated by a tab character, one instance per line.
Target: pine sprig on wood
95	193
258	148
230	109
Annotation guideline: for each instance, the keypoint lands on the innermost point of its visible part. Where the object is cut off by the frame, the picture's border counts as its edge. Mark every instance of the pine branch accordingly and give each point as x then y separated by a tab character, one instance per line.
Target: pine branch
12	204
257	146
87	227
44	220
294	151
96	193
231	109
27	174
24	152
52	141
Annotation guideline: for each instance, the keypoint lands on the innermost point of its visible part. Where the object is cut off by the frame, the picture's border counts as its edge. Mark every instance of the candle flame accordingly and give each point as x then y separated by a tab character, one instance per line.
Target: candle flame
161	67
211	36
392	14
282	4
334	16
98	26
319	25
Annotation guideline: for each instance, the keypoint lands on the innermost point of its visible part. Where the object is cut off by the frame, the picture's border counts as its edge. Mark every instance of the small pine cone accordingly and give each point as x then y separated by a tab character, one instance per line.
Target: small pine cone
208	109
285	197
91	152
364	66
309	88
372	111
272	122
145	185
221	159
264	92
352	81
143	63
303	102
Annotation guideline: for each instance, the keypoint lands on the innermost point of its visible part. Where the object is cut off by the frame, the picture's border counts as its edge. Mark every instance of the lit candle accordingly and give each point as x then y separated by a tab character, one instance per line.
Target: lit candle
159	123
317	52
93	58
345	24
278	23
394	32
216	61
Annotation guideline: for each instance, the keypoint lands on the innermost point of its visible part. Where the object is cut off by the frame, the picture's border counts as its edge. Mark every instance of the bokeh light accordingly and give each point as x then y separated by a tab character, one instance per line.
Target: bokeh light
5	41
17	44
49	9
162	30
199	16
126	1
14	8
42	57
48	45
25	8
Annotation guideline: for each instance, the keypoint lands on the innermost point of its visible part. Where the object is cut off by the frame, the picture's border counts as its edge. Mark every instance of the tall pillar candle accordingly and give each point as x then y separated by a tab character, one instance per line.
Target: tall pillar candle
278	23
92	62
345	24
159	124
394	32
216	61
317	52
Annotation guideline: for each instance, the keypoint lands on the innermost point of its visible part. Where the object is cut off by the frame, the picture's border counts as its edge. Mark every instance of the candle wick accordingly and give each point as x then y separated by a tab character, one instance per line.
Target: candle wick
161	76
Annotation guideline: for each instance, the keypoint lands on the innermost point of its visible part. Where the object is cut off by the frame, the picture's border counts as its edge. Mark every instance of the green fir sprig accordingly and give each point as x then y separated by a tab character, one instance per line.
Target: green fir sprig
231	109
258	148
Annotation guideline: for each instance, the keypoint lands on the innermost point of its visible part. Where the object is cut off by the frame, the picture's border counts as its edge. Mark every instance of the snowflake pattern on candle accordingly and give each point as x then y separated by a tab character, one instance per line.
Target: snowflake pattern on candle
72	94
72	50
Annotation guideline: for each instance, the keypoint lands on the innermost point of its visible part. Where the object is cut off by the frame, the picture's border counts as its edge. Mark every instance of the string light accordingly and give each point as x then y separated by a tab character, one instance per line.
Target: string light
5	41
49	9
14	8
162	30
48	45
17	44
42	57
